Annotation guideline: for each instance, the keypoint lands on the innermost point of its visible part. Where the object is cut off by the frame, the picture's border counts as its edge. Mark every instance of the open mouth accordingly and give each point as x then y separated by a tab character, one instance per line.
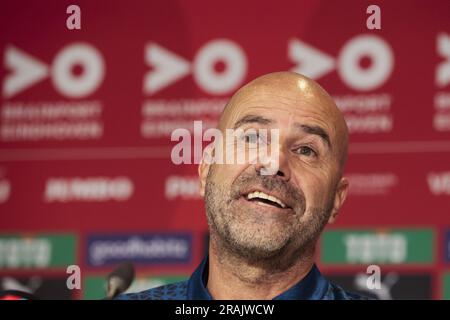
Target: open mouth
264	198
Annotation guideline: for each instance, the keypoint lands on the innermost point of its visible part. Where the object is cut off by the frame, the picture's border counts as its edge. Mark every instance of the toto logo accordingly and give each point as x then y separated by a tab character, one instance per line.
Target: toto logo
76	71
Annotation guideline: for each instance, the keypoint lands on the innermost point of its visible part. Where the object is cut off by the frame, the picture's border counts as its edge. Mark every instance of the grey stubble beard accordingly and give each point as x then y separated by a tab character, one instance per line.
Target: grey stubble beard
232	241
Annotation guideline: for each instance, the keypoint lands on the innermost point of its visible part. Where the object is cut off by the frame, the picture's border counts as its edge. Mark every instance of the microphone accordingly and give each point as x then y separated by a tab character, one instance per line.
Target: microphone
120	279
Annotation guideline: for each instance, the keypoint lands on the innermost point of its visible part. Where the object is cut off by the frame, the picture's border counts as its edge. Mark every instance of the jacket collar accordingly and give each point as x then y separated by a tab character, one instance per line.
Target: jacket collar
312	287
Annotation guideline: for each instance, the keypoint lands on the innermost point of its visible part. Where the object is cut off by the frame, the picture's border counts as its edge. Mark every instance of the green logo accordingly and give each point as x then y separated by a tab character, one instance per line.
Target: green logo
36	251
95	287
391	246
446	286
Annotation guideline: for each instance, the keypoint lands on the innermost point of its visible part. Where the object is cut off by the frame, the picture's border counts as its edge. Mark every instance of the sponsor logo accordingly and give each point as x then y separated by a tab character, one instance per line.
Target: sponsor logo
27	70
393	285
366	112
441	119
37	251
60	120
5	190
141	249
446	286
89	189
76	72
315	63
447	246
439	183
377	183
442	75
168	67
160	117
95	286
182	187
397	246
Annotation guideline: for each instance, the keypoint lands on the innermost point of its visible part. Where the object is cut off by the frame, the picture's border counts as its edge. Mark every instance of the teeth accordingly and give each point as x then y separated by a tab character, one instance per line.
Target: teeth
262	195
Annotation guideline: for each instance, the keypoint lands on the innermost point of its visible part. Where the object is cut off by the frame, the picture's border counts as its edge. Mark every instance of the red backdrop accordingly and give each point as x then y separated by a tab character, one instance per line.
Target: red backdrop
86	115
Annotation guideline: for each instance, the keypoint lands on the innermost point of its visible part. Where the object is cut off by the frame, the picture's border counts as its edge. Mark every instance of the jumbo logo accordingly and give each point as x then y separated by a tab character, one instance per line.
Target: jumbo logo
168	67
26	70
316	63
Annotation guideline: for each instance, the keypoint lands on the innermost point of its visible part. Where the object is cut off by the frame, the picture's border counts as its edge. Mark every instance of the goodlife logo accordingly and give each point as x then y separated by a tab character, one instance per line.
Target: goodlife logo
168	67
27	70
315	63
144	248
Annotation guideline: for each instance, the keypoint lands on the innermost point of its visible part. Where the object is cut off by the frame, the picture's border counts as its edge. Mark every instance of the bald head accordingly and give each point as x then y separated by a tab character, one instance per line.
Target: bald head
298	95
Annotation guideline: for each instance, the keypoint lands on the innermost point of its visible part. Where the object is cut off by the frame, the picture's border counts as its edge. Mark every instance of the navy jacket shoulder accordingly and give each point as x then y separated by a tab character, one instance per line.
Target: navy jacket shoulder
173	291
312	287
178	291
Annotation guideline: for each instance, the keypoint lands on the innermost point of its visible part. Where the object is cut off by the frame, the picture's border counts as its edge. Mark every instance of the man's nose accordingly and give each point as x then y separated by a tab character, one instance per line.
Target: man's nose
284	169
278	165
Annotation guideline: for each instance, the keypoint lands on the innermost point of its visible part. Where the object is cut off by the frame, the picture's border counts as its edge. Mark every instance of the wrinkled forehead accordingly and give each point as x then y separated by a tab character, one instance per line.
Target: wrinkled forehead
289	100
283	104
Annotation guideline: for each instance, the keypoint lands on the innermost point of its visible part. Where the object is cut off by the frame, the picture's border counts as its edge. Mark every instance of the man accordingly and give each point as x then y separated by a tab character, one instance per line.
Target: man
264	227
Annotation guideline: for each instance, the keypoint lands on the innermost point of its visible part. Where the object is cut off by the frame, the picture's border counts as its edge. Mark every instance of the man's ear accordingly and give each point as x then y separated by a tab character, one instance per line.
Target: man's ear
203	168
339	198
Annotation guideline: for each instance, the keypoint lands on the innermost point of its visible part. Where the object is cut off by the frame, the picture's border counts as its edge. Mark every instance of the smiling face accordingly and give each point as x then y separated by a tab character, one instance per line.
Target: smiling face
265	216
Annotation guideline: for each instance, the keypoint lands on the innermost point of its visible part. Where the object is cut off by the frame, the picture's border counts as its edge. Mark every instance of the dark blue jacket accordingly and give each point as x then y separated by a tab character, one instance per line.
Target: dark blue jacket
312	287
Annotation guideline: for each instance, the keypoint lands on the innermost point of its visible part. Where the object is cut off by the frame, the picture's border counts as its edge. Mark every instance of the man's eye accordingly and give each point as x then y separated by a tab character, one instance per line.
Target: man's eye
252	138
306	151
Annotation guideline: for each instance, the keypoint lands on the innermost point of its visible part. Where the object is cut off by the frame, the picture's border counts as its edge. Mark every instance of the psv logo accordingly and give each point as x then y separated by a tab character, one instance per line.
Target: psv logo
169	67
316	63
26	70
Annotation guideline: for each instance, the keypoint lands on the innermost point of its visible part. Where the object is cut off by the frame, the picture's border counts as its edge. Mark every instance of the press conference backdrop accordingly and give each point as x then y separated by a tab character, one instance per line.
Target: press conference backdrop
86	116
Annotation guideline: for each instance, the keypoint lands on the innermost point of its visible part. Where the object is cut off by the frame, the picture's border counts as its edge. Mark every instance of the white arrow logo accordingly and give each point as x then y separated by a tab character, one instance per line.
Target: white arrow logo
310	61
315	63
168	68
25	71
